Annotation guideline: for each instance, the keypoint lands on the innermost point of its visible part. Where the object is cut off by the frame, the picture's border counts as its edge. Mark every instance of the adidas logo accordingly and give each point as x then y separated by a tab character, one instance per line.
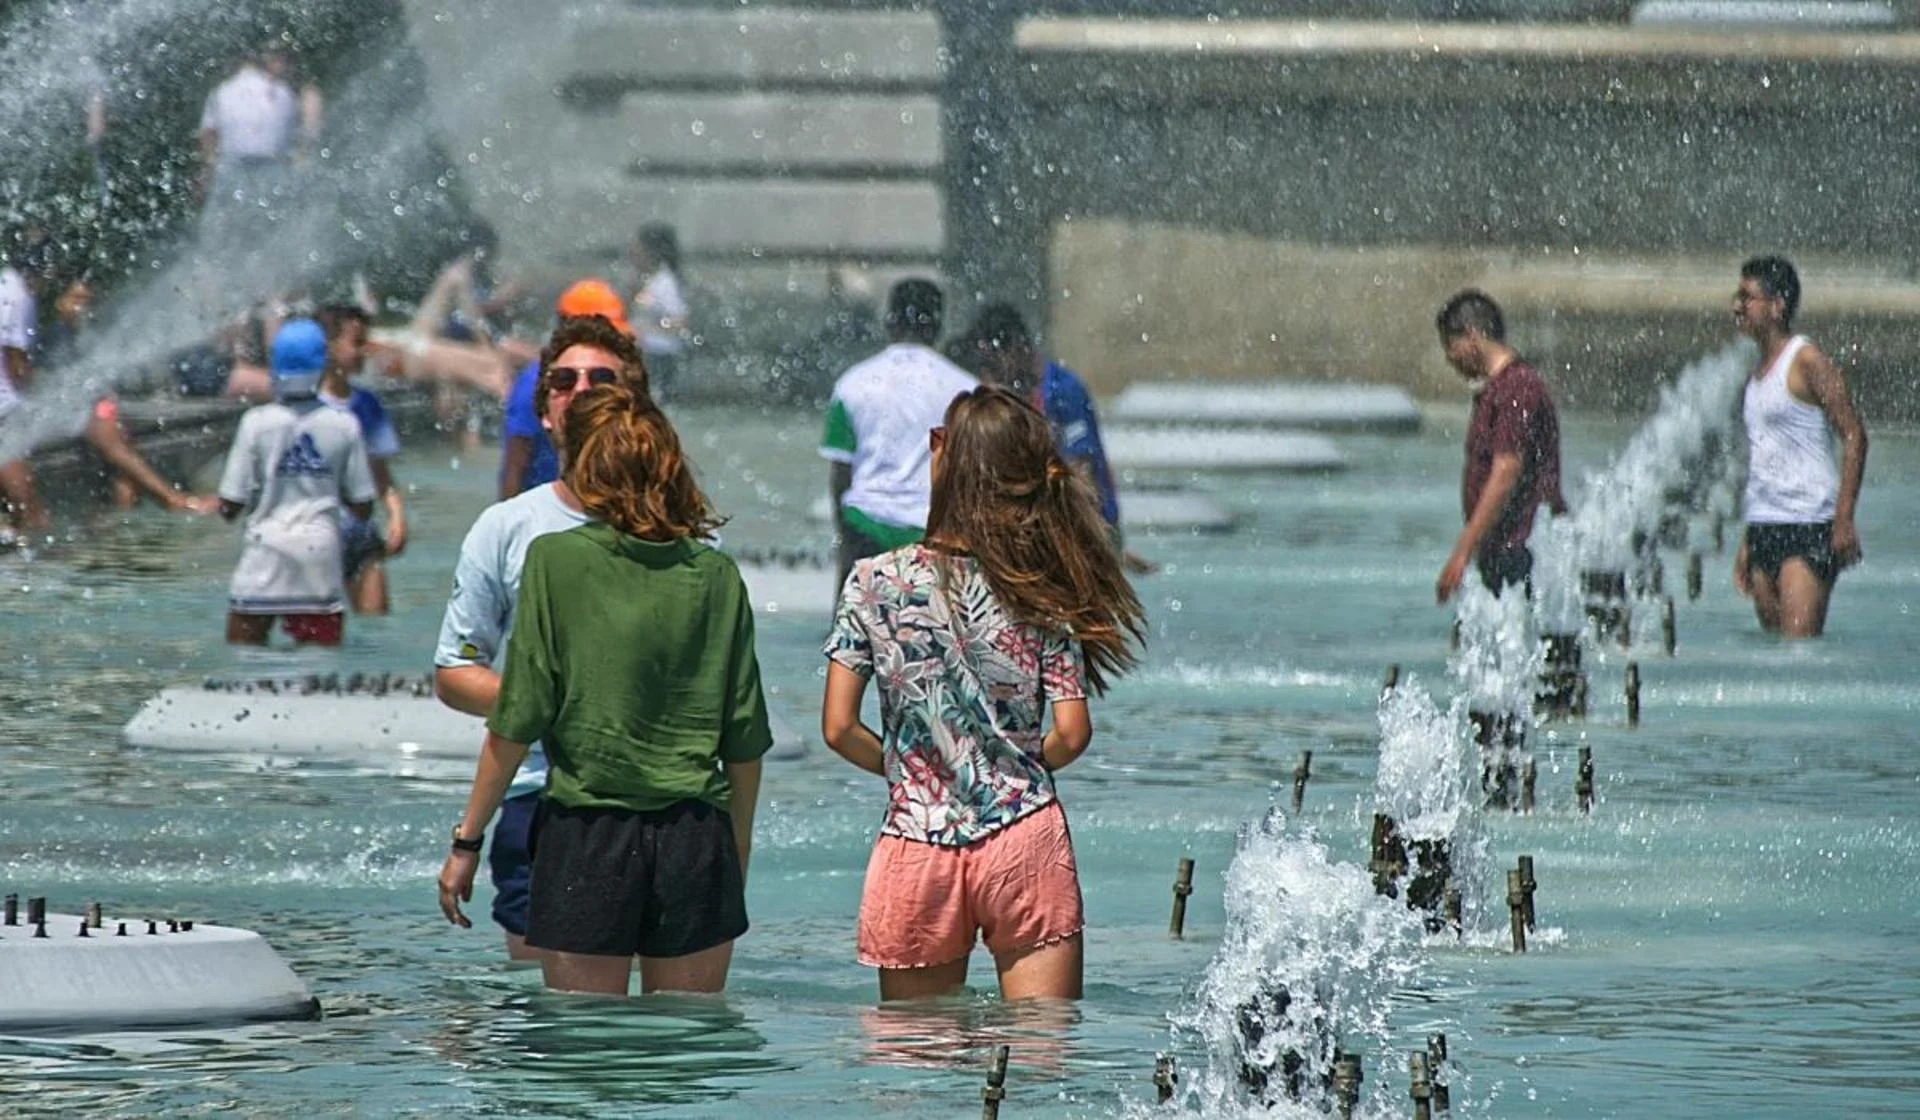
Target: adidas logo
303	458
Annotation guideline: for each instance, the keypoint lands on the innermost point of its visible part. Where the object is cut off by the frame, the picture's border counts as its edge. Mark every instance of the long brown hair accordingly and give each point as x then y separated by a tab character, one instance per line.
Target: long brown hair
627	469
1001	491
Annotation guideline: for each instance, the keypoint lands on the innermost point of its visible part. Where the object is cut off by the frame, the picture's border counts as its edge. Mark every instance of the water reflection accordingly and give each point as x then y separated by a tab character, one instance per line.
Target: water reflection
957	1032
544	1049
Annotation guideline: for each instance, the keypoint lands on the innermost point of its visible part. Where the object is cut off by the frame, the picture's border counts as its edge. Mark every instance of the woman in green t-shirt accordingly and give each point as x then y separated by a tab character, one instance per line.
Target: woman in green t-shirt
632	661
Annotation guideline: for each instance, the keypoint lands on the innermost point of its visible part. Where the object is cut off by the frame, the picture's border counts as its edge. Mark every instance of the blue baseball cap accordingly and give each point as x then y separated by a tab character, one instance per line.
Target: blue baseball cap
299	357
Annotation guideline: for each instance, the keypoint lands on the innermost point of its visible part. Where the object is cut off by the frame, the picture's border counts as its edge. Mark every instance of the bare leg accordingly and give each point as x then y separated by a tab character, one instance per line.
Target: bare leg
1801	600
452	287
1047	972
248	629
921	983
21	498
369	590
705	971
519	950
1766	599
587	972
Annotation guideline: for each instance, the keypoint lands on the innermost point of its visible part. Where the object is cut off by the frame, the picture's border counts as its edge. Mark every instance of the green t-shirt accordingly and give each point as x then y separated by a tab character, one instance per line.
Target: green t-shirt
633	662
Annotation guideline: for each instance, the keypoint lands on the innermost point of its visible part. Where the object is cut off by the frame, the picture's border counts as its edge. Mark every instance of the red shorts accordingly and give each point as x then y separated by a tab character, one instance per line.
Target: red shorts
320	629
1018	888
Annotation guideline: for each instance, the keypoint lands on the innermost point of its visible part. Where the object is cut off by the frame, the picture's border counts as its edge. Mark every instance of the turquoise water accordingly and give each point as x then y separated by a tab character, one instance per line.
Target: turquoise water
1732	931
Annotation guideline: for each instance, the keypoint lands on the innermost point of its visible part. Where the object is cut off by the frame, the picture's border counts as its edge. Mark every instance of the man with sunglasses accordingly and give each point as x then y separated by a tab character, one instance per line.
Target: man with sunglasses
527	457
584	351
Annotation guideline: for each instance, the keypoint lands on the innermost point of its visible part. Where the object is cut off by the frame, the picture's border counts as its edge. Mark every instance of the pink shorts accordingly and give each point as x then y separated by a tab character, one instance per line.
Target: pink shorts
1018	888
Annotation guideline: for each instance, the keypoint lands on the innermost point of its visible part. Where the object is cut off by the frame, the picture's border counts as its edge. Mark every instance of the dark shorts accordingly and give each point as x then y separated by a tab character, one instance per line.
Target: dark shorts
511	863
616	883
1501	570
854	546
1769	546
360	545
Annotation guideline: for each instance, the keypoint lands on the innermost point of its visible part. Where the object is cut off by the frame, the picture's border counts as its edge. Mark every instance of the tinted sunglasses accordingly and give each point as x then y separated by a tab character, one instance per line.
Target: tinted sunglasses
562	379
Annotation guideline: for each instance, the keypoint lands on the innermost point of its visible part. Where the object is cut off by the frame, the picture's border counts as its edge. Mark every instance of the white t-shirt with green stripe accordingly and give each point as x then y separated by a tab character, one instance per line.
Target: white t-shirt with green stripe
877	422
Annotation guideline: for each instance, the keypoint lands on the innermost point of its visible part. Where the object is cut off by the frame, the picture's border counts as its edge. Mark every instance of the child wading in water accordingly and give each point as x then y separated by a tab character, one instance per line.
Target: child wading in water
1014	602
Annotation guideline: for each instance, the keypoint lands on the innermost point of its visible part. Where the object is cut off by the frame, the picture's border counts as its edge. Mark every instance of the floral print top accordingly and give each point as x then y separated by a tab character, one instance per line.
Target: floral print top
963	690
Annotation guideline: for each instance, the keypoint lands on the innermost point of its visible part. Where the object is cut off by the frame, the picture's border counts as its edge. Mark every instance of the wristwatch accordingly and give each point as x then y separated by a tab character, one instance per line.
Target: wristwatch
463	844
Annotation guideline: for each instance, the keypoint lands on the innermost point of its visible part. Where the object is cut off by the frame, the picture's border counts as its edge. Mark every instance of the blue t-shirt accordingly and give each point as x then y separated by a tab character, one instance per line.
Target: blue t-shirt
521	420
1064	400
383	442
486	585
376	427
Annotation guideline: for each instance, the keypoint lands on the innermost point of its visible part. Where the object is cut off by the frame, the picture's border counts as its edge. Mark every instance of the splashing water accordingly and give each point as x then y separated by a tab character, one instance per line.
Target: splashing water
1309	963
1694	416
312	236
1429	783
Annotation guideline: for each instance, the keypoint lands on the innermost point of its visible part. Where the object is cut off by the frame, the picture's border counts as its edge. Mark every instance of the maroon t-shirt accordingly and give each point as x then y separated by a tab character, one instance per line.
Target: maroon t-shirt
1512	414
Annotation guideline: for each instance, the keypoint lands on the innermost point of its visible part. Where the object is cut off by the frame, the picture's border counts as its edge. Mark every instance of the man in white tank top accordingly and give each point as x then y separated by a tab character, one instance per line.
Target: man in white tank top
1799	503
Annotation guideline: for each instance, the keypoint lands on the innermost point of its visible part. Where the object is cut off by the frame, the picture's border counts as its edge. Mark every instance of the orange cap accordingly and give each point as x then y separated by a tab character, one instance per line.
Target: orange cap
595	297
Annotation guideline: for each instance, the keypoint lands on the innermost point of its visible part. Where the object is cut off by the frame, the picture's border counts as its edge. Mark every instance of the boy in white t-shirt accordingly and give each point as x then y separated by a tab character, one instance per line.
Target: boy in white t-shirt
295	466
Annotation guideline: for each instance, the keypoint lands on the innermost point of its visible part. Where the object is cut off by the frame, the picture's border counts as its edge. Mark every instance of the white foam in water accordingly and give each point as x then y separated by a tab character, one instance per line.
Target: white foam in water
1500	656
1299	923
1428	781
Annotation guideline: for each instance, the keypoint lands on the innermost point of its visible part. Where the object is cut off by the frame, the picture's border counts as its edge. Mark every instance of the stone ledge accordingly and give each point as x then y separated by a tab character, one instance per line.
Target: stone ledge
1149	62
763	46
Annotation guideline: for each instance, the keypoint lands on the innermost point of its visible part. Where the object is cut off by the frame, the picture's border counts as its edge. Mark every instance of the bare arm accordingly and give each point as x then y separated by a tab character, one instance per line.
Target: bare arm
19	369
1067	739
1493	499
393	502
514	457
840	722
744	777
106	437
839	481
209	152
467	688
1828	388
499	759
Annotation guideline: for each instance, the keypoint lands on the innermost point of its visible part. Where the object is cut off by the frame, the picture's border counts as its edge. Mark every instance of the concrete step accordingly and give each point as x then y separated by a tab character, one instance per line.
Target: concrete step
756	132
597	215
763	46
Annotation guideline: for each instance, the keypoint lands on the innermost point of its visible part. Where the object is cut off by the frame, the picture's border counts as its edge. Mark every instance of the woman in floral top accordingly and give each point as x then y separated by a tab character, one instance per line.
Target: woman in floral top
1013	605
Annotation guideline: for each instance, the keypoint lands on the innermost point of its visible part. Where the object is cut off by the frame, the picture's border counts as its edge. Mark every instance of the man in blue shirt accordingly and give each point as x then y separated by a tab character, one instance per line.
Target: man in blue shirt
527	457
1007	356
363	549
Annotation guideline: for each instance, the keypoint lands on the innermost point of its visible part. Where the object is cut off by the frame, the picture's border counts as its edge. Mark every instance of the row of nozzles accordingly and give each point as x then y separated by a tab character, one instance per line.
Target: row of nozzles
371	684
37	918
1426	1082
789	558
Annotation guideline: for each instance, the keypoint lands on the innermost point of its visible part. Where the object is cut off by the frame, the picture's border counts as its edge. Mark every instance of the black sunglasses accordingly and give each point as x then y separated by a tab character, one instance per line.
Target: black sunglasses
561	379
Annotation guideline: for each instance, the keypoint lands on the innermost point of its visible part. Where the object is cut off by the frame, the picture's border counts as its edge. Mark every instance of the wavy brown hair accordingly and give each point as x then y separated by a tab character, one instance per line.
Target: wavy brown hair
1002	492
627	468
597	331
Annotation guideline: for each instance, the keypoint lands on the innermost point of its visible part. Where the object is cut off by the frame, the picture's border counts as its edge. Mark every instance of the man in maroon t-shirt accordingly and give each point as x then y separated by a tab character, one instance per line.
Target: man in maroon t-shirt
1513	448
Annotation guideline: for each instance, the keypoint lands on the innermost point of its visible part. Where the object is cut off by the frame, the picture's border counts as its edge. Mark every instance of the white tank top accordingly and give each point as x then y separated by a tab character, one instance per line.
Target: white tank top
1791	475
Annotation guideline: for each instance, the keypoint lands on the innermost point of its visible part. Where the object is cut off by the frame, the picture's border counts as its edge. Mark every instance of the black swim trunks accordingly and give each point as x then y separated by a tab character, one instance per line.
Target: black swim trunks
1769	546
618	883
1506	568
